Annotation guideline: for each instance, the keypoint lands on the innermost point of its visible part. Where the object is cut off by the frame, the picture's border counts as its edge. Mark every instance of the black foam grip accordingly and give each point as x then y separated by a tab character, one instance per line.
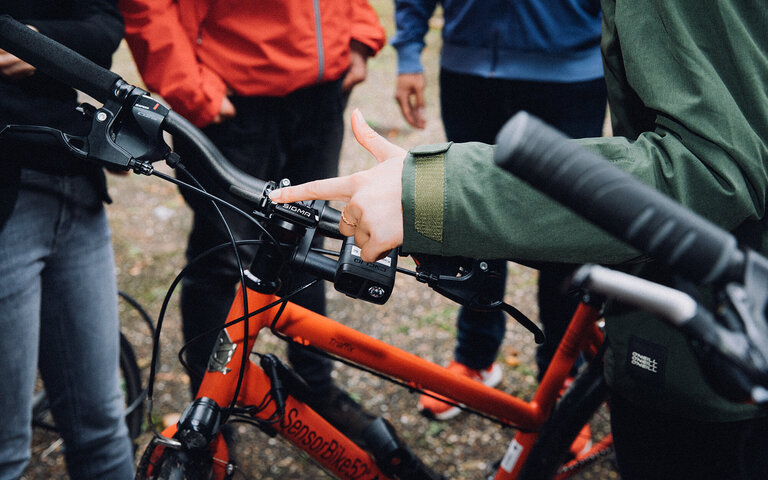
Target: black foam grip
616	201
223	172
56	60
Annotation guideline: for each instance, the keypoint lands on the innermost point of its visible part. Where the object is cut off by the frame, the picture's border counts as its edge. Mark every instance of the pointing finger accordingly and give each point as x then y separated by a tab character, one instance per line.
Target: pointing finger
339	188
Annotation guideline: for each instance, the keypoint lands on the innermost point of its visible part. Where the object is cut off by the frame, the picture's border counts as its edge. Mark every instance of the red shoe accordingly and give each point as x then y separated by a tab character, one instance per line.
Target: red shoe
582	443
439	410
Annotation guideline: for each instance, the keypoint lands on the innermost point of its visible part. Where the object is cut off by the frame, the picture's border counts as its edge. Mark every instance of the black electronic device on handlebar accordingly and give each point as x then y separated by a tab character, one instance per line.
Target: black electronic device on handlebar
655	224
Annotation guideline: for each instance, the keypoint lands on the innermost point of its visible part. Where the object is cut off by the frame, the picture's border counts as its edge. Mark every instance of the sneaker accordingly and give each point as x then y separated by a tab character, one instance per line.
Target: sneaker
439	410
582	443
341	411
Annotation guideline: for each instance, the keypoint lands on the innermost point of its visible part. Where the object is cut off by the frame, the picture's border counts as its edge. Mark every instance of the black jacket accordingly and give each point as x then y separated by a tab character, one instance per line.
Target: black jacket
92	28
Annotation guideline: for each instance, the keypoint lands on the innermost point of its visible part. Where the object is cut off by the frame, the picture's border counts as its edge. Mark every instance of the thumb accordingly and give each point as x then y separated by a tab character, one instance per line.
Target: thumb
379	147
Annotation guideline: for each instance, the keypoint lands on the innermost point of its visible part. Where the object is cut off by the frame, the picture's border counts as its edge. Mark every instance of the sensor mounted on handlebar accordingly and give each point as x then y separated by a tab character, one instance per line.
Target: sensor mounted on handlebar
370	281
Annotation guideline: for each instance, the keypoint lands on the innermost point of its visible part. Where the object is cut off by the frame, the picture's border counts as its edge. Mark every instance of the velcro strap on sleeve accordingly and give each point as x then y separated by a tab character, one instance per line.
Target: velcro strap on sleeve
429	191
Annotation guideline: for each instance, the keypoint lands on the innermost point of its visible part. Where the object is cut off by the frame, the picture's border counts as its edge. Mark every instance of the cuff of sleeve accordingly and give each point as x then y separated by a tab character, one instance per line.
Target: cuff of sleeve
424	198
409	58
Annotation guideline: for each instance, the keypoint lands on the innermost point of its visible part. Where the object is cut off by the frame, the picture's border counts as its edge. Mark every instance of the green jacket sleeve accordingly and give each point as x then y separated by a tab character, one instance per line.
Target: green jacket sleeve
486	212
689	103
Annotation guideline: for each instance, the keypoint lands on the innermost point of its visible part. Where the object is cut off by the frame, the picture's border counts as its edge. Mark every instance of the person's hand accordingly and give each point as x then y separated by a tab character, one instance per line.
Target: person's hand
409	94
226	111
13	67
358	66
374	213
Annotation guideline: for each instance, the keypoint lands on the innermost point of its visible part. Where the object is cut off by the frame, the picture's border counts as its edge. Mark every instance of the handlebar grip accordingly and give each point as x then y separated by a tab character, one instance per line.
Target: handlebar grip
616	201
56	60
222	170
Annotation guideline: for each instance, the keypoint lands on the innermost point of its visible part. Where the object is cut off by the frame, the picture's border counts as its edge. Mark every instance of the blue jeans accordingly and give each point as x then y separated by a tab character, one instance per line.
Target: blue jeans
58	312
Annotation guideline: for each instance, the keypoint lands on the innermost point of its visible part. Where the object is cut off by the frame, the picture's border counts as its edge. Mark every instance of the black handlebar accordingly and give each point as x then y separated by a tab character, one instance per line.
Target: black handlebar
617	202
56	60
226	174
71	68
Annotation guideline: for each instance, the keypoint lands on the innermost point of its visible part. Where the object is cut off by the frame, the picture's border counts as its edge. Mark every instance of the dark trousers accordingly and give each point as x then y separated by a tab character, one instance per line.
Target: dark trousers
474	109
297	137
651	444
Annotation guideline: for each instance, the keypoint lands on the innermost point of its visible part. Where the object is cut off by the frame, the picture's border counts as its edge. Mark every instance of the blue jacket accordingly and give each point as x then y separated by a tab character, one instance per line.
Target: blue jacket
537	40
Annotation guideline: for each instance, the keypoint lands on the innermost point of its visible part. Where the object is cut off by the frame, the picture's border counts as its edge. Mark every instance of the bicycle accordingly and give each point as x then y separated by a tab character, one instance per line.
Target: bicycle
126	135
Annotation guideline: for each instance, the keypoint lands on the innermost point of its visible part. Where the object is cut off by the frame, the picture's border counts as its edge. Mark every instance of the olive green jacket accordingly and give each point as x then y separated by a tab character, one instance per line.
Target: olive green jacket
688	93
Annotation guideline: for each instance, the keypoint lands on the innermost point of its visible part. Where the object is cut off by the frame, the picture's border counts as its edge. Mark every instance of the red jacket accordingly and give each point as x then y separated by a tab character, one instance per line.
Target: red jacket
191	51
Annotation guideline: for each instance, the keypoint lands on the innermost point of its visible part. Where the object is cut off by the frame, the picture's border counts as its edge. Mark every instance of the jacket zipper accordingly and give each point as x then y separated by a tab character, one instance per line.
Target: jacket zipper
319	39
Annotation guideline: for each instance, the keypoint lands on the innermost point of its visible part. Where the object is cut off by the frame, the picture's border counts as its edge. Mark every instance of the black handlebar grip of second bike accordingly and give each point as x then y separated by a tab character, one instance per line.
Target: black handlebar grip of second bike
56	60
616	201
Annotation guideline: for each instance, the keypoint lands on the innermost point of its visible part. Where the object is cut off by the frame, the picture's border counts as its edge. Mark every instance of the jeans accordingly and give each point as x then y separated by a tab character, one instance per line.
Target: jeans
58	312
473	110
297	137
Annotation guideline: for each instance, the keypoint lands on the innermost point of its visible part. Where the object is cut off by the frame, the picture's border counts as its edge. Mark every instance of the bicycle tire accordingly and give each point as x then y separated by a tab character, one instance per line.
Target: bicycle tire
171	464
579	404
132	388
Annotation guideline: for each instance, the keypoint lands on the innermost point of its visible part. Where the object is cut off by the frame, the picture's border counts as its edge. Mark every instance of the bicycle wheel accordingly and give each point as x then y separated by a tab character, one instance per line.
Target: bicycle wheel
130	377
174	465
162	463
550	457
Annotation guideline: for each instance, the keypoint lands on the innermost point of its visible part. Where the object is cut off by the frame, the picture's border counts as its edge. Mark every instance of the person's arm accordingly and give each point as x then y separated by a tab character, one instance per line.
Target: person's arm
412	22
696	133
358	66
165	57
451	199
367	38
366	27
483	212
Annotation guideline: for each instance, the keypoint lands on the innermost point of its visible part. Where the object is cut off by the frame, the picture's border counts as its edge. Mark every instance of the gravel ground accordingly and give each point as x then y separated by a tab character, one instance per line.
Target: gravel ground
150	221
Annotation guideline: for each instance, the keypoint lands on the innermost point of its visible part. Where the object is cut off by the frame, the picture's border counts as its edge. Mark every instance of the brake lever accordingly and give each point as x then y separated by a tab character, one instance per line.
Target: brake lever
126	131
463	280
751	301
72	143
729	340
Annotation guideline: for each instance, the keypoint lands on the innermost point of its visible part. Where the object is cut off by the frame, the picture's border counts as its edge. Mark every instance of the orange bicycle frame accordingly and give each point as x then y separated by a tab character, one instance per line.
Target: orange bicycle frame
330	448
